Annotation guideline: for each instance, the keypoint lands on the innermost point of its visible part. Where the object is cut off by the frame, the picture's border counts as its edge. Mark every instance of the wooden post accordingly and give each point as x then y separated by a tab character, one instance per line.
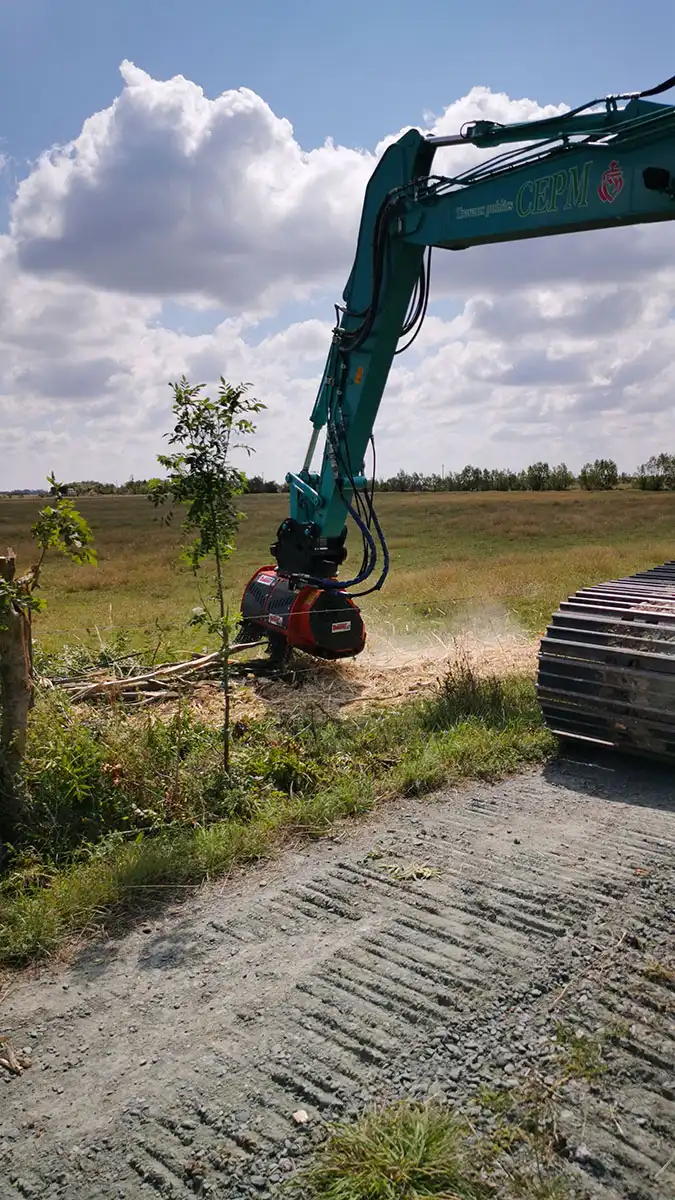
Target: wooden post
16	689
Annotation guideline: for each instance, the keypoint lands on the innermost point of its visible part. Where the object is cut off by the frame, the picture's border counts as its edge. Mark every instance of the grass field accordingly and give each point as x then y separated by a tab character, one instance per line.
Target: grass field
453	556
118	803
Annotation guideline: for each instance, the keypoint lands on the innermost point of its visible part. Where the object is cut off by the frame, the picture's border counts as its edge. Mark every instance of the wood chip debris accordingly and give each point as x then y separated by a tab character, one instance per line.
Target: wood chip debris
386	674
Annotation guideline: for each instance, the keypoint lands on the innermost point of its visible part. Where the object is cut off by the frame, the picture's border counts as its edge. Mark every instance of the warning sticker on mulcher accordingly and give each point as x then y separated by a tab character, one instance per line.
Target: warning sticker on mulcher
267	580
275	619
340	626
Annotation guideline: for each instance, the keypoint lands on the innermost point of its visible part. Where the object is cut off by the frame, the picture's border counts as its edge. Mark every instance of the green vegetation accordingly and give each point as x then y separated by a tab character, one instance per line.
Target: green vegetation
600	475
400	1152
59	527
116	805
455	558
656	474
408	1151
204	486
580	1053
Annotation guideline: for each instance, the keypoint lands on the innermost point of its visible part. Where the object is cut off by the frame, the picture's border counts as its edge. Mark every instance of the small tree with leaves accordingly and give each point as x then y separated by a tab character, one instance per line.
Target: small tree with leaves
657	474
561	478
538	476
601	475
61	528
203	480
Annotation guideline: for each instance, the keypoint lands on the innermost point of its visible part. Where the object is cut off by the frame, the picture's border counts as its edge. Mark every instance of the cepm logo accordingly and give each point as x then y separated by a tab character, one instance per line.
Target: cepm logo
611	184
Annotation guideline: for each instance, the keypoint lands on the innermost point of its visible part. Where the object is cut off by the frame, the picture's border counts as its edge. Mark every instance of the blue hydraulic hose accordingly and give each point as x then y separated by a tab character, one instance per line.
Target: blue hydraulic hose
339	585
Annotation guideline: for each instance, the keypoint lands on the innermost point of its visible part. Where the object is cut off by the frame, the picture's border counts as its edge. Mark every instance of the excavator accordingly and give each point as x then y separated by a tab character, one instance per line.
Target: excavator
606	664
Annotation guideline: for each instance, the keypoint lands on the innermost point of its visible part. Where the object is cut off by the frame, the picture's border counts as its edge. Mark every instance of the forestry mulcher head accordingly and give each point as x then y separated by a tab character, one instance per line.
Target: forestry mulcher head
607	665
326	624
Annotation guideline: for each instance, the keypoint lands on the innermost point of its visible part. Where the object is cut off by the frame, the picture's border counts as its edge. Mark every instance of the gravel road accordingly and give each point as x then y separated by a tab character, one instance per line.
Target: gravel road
170	1062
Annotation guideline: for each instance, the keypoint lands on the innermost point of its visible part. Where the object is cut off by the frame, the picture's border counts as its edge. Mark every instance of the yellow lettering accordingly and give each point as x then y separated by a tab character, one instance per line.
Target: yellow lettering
559	186
523	205
577	191
541	194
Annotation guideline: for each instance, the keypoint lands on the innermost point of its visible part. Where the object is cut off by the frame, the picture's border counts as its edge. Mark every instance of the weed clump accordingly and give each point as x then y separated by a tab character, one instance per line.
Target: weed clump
409	1150
581	1053
463	695
658	972
399	1152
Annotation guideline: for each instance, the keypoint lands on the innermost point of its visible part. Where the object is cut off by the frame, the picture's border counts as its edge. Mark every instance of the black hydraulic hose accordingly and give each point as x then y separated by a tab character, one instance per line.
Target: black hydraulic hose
653	91
352	339
423	309
341	585
385	557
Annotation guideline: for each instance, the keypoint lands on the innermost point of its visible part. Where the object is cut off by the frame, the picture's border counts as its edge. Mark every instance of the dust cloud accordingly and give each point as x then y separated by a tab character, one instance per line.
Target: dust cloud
396	666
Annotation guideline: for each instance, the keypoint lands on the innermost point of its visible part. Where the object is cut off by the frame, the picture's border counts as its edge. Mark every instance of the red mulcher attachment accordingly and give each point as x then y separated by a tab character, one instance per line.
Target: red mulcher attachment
324	623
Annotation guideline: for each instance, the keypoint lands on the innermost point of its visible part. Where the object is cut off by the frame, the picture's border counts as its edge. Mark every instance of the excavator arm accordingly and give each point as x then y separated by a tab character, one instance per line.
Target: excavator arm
607	164
582	171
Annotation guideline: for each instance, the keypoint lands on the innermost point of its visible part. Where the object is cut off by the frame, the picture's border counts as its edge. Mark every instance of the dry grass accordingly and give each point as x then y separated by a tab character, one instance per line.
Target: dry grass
388	672
460	562
659	972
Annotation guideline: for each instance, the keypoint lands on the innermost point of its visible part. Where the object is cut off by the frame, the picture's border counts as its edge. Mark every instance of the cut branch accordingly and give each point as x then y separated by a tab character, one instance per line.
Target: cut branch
157	681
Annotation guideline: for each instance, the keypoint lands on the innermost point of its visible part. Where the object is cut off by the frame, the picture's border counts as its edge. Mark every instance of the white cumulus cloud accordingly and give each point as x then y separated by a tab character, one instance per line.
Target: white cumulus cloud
555	348
168	193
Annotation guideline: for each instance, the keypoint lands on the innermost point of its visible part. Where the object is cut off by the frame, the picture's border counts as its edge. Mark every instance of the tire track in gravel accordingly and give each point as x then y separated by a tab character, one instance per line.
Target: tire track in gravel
169	1063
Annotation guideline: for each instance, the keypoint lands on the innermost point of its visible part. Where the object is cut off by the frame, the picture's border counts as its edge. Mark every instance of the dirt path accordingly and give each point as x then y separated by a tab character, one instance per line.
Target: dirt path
171	1062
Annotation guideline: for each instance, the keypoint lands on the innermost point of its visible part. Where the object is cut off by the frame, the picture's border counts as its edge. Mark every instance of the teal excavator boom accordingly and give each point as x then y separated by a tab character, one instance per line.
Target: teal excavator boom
606	164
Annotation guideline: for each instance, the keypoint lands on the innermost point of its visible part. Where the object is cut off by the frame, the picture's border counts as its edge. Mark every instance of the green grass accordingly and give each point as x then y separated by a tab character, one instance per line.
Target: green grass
408	1151
581	1053
117	808
454	556
398	1152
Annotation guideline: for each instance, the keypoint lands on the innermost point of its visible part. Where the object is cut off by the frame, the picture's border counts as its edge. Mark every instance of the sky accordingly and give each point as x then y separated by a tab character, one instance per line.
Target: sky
180	191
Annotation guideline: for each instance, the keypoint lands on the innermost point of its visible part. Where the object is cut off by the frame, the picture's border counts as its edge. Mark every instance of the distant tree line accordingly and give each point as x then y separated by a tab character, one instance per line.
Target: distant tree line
656	475
91	487
538	477
133	487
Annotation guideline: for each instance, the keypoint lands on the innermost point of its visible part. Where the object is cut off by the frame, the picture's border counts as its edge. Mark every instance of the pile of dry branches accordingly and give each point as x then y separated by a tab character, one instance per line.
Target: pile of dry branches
134	685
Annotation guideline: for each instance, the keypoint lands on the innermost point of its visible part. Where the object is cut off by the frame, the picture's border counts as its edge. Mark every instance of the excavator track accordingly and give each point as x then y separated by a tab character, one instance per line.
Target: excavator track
607	665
